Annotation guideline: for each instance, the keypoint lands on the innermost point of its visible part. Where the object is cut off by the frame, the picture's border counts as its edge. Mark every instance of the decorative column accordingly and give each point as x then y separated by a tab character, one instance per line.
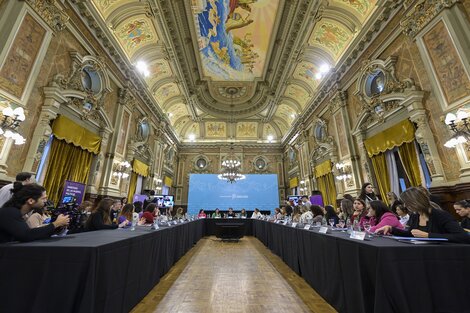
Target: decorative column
364	159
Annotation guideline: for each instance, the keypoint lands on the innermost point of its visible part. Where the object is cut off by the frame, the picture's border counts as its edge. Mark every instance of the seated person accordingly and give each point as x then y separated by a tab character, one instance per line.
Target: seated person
243	213
201	214
401	211
138	208
179	213
101	217
426	221
330	214
380	215
360	212
256	214
230	213
25	198
463	209
277	214
115	210
126	214
216	213
296	214
317	213
38	218
149	215
307	215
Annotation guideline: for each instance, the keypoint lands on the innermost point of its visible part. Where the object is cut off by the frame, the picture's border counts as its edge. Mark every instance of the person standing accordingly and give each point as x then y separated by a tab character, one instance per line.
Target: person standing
6	191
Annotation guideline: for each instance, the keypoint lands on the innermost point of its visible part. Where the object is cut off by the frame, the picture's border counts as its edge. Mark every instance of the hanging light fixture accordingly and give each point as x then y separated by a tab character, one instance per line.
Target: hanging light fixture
10	121
231	166
121	169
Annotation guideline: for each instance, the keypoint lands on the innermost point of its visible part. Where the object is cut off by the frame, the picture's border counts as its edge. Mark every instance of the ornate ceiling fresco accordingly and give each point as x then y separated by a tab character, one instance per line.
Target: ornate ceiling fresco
225	70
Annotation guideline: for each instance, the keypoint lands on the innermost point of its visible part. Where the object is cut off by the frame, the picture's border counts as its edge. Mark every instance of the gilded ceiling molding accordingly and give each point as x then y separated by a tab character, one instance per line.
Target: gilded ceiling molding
53	15
423	13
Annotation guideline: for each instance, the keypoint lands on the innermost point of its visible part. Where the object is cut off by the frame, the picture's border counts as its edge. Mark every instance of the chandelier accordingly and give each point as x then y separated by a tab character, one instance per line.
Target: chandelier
120	170
10	121
460	126
231	167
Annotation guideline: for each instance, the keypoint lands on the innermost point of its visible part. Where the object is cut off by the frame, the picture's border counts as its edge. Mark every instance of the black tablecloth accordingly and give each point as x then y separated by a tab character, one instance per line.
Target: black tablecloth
379	275
102	271
211	224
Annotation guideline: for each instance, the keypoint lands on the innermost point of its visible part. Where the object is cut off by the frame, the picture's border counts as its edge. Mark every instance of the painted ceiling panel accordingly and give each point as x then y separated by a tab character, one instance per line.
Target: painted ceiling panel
158	69
286	113
215	129
331	36
135	33
268	130
298	94
192	130
247	130
166	92
105	7
307	72
233	36
177	111
361	8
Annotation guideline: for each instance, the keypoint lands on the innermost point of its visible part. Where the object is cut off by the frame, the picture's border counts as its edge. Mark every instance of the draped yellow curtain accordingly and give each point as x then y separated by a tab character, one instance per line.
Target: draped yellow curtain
409	159
326	184
65	129
390	138
140	168
379	163
132	186
67	162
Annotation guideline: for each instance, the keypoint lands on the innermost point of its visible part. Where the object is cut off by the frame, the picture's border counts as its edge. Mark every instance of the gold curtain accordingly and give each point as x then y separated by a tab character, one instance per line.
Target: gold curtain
132	186
409	159
293	182
390	138
67	162
323	168
379	163
326	184
140	168
65	129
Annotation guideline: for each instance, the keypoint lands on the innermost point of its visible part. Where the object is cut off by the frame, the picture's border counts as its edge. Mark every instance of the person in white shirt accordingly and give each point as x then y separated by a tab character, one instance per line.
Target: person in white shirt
307	215
256	214
5	192
402	213
305	202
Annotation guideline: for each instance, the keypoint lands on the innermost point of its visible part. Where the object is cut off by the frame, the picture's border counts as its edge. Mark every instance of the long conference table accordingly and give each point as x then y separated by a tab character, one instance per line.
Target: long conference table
112	270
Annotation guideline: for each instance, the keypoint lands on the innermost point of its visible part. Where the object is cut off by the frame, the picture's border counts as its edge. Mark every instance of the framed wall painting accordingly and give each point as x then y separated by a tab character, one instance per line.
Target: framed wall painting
444	59
23	53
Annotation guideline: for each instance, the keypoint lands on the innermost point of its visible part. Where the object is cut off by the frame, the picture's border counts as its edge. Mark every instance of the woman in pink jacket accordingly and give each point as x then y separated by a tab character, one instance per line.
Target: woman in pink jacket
380	215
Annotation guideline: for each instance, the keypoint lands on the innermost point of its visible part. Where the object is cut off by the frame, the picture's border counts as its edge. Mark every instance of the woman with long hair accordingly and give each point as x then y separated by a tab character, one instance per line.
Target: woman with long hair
367	193
126	214
330	214
101	218
380	215
427	222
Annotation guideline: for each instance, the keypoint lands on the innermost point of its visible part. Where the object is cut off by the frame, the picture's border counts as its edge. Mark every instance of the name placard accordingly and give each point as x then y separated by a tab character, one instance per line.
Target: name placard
307	226
323	230
294	225
358	235
277	221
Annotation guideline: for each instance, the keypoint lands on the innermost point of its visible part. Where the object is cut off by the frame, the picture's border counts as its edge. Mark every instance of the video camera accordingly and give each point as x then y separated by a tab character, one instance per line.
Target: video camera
69	207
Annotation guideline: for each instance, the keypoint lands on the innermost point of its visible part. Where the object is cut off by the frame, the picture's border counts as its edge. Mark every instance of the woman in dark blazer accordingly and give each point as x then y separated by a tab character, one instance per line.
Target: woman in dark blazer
427	221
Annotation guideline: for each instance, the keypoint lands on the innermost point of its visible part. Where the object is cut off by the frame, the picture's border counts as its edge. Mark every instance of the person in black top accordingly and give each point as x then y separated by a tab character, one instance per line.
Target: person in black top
427	221
367	193
230	213
463	209
26	198
289	208
331	214
100	218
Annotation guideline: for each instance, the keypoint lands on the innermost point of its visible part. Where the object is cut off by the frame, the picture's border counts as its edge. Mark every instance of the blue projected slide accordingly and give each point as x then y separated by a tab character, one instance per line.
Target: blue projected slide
208	192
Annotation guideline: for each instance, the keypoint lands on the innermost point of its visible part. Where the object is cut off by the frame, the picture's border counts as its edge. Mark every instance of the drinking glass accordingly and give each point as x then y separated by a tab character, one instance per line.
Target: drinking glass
331	221
367	227
341	225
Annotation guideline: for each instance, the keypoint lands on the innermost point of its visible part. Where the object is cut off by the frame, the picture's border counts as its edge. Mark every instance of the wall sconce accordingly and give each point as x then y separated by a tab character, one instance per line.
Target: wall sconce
459	124
344	171
121	169
10	122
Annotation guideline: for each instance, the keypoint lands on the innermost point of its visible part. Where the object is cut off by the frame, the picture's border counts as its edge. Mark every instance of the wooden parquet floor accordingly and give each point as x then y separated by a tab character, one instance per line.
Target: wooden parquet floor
221	277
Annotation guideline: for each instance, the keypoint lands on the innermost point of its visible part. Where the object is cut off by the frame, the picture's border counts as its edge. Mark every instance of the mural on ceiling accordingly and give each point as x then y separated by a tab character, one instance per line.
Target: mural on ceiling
215	129
331	36
234	36
247	129
297	93
166	92
177	111
193	130
135	33
158	69
268	130
307	72
363	7
286	113
180	125
106	6
283	128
